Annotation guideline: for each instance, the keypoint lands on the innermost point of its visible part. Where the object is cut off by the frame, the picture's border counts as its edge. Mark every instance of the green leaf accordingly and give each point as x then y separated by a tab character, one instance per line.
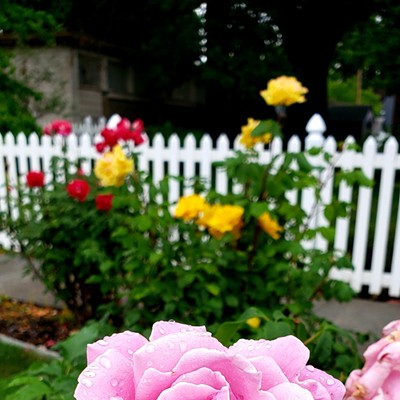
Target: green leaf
226	331
256	209
323	348
303	163
213	288
32	389
267	126
277	329
143	223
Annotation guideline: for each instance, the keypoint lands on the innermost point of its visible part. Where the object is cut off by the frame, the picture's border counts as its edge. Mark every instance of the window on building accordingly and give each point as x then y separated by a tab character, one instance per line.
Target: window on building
89	72
118	77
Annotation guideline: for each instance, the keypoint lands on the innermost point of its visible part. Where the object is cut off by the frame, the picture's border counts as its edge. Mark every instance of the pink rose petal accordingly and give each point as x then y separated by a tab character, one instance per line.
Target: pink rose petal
272	374
110	375
287	391
164	352
162	328
289	352
391	327
126	343
320	384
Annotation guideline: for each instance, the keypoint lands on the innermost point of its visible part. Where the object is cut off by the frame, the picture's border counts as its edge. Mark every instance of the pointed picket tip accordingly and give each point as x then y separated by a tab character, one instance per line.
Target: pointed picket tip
316	124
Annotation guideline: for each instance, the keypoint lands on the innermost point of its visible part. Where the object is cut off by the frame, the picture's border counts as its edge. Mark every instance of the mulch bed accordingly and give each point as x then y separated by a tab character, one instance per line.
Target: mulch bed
35	324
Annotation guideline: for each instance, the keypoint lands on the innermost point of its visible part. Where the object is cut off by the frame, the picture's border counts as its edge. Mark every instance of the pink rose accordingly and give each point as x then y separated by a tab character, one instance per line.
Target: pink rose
185	362
379	379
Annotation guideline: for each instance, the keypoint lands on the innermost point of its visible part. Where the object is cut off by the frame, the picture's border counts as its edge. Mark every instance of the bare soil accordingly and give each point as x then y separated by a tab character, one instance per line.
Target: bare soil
35	324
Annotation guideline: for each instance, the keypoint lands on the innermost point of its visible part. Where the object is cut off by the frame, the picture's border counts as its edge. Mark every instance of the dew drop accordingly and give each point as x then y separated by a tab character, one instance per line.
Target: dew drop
150	348
330	382
87	382
267	346
105	362
102	342
130	351
114	382
89	374
161	330
172	321
250	347
310	368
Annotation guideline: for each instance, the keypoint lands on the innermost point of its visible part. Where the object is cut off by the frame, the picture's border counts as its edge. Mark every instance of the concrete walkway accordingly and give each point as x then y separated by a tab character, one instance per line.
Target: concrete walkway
365	316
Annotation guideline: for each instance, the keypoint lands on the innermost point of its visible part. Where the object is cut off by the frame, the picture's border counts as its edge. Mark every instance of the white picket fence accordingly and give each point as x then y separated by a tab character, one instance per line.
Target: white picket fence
375	255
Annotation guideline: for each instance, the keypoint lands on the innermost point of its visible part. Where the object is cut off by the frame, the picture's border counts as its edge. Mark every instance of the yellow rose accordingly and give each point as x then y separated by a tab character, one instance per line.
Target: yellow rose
254	322
284	91
269	225
189	207
247	139
113	167
220	219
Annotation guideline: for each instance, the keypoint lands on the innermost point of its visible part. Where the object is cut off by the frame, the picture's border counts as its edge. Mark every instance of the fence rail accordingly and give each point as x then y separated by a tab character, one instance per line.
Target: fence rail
370	234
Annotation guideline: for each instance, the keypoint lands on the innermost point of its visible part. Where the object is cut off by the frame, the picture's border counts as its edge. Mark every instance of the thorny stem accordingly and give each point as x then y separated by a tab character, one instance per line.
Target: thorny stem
322	184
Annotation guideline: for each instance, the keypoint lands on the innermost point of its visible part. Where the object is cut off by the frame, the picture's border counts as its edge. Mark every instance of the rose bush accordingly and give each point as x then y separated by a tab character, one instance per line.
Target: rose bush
66	218
379	379
183	361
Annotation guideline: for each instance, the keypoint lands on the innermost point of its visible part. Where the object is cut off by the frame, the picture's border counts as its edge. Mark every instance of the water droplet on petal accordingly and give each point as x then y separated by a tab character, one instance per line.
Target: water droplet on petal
130	351
250	347
171	321
330	382
114	382
150	348
267	346
89	374
105	362
310	368
162	331
87	382
102	342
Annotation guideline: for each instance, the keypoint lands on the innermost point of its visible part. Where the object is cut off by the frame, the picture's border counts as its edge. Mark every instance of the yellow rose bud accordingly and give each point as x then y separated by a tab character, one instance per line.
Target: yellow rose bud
254	322
270	226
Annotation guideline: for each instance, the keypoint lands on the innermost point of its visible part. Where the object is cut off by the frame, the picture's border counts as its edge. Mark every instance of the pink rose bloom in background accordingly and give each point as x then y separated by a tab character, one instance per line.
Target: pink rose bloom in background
379	379
59	127
185	362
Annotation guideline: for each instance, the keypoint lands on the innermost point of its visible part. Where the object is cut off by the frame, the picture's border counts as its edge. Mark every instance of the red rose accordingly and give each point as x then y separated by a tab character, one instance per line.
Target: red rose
35	179
79	189
59	126
104	202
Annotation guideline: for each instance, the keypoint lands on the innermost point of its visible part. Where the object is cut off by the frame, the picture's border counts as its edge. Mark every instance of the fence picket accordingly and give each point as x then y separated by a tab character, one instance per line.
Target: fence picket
383	215
363	214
